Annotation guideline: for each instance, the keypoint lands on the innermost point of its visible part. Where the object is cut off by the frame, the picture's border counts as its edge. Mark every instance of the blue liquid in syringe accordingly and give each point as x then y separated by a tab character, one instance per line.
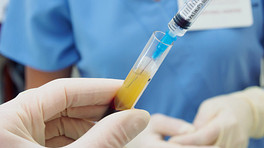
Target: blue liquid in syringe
165	41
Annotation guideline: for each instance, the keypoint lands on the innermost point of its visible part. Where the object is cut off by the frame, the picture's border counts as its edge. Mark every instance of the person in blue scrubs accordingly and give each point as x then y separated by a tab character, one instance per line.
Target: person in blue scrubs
104	38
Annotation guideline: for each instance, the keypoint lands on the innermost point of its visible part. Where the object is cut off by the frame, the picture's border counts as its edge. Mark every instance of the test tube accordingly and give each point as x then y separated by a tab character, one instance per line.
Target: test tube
141	73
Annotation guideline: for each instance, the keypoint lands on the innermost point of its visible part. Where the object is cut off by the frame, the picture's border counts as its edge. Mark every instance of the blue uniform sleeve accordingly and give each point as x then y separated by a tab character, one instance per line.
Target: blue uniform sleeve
263	22
38	33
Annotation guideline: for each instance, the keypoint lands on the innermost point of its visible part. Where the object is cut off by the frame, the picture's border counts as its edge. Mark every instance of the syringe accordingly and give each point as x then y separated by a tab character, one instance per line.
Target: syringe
154	53
182	21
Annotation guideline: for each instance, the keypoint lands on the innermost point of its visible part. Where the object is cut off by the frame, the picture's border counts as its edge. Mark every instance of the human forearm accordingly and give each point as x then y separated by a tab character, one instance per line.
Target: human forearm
35	78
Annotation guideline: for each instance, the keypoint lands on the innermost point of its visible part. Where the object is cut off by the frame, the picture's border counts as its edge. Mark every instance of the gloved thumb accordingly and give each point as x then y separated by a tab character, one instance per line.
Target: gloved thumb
115	130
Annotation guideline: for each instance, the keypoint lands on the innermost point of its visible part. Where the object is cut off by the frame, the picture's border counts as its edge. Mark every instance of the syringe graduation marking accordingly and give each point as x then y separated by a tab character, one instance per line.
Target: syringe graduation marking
188	8
187	15
192	8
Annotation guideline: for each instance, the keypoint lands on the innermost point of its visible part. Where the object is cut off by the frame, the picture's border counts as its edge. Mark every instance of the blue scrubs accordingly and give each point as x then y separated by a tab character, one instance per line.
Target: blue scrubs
104	39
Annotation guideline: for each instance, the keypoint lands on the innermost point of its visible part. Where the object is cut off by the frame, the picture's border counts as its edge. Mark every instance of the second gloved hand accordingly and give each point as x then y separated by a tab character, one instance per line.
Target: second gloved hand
228	121
159	127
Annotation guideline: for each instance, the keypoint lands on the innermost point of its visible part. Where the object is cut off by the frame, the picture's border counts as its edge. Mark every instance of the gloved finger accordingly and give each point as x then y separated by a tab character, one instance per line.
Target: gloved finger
92	113
115	130
69	127
206	112
9	140
191	146
164	144
58	141
168	126
204	136
58	95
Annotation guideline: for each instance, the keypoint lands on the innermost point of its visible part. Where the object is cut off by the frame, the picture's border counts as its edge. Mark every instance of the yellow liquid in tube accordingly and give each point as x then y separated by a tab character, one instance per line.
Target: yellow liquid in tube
132	88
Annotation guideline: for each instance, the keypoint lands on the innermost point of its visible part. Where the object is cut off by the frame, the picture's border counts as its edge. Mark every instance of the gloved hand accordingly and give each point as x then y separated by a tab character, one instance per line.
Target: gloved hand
228	121
159	127
62	111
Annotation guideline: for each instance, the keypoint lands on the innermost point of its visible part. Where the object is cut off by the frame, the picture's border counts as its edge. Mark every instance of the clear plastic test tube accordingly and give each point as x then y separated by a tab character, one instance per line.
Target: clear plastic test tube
141	73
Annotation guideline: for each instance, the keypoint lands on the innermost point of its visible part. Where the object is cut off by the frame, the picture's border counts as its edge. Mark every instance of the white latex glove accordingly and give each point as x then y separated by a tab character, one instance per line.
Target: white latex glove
62	111
228	121
159	127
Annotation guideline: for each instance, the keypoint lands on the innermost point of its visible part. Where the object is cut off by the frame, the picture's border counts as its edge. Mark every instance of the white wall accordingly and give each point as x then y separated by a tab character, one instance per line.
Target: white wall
3	4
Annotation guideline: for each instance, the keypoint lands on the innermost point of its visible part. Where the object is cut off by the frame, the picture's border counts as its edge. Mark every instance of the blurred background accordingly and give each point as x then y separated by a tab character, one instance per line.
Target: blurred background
11	73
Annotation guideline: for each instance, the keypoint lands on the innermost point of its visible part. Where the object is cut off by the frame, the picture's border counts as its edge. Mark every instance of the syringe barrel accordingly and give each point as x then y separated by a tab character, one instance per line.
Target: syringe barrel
141	73
186	16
